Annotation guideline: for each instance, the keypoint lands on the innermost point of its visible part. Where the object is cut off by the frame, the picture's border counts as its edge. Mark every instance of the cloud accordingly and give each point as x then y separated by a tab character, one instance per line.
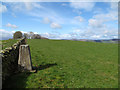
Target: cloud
95	23
56	35
50	35
20	31
77	30
110	16
46	20
114	5
31	5
4	35
22	1
96	36
11	26
77	11
101	19
13	14
64	4
38	11
75	34
3	8
36	33
52	24
64	36
88	6
79	18
94	33
100	23
43	13
28	6
55	26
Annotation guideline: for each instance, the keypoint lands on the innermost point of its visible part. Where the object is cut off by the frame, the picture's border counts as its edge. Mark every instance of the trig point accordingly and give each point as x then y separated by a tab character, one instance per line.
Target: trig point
25	62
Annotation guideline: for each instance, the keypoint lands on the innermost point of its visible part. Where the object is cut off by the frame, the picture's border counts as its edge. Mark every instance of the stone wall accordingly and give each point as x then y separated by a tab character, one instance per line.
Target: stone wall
10	59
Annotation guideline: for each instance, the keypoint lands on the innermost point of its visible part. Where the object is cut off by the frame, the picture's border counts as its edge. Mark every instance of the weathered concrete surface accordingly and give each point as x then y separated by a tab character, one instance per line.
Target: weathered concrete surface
24	61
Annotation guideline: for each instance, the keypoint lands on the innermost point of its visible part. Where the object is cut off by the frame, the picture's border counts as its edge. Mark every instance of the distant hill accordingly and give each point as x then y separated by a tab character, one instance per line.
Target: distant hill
108	41
100	41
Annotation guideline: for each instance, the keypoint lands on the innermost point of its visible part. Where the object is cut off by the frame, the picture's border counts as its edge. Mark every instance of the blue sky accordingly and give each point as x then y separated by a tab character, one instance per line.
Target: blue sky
61	20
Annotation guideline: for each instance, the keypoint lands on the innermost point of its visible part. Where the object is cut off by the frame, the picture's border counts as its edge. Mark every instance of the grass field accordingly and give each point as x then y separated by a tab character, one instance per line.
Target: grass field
70	64
7	43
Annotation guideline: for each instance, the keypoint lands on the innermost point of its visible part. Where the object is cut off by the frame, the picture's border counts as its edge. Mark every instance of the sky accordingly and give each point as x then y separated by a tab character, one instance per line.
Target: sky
60	20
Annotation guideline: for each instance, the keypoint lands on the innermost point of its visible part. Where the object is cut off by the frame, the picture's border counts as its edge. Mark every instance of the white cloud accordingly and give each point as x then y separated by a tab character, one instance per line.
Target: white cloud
114	5
3	8
11	26
36	33
24	6
88	6
56	35
23	1
43	13
65	36
50	35
63	4
95	23
46	20
75	34
79	18
96	36
100	24
13	14
20	31
38	11
60	0
55	26
30	6
77	11
98	10
100	19
4	35
110	16
25	32
94	33
78	30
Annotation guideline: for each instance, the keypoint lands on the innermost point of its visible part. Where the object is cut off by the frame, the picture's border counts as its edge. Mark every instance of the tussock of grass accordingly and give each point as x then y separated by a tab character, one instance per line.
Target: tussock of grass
70	64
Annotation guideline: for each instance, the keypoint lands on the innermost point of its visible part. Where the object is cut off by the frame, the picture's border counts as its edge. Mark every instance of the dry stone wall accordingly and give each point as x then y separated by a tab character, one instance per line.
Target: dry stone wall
9	58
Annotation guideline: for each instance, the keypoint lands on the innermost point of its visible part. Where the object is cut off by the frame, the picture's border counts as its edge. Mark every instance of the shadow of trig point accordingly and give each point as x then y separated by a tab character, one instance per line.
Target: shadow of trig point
24	61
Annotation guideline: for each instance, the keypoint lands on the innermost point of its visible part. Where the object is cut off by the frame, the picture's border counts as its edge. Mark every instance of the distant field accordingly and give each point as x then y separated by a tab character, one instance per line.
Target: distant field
7	43
70	64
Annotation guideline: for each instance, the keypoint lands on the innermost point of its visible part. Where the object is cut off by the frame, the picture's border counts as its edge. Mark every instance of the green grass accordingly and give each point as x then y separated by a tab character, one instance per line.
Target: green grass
70	64
7	43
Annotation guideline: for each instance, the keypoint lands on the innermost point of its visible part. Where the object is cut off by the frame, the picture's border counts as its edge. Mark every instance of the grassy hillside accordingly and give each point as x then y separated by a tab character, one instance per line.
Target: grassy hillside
70	64
7	43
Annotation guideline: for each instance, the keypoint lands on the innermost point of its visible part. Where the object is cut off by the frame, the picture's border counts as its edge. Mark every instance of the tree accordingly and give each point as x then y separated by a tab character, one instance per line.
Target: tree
17	35
36	36
26	35
30	35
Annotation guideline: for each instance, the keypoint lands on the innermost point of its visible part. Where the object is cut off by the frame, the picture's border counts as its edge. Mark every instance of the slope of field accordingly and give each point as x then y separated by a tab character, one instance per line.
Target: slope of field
7	43
70	64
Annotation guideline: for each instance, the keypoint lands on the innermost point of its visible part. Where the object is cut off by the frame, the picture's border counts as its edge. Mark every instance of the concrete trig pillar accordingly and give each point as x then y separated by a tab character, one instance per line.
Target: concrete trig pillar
24	62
